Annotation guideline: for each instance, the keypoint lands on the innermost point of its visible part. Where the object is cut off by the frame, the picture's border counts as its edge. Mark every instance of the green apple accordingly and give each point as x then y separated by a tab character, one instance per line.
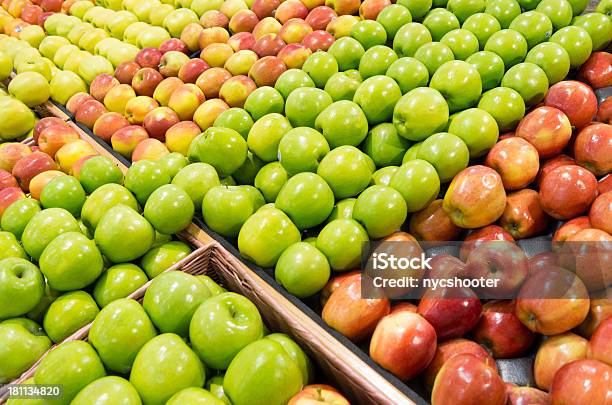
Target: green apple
465	8
409	73
270	179
144	177
342	123
462	42
38	65
393	17
265	135
576	41
447	153
88	42
226	208
296	353
171	300
160	258
412	152
164	366
503	10
264	100
306	199
347	171
477	128
578	6
292	79
249	169
194	395
21	285
381	177
64	85
123	235
102	199
302	269
505	105
385	146
342	86
122	53
196	179
117	24
597	25
552	58
213	287
420	113
509	44
23	342
529	80
222	148
265	235
63	192
50	44
72	364
347	52
490	67
409	38
44	227
117	282
118	333
482	25
177	20
16	119
417	8
376	61
433	55
304	104
70	262
342	209
377	97
439	22
111	390
98	171
369	33
31	88
69	313
169	209
418	182
6	65
558	11
381	210
301	150
534	26
237	119
10	247
262	373
17	215
341	242
222	326
459	83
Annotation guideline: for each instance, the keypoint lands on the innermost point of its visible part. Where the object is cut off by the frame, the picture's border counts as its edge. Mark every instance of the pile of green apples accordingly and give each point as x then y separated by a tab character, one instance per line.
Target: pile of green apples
228	351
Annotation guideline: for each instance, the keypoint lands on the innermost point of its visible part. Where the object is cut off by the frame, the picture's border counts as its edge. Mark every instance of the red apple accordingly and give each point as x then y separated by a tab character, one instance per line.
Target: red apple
501	332
29	166
350	314
43	17
108	124
268	45
593	148
452	311
582	382
445	267
344	7
54	6
213	18
449	349
8	196
173	44
333	284
597	70
191	35
191	70
319	40
148	58
89	112
320	17
516	161
370	9
551	164
11	153
241	41
101	84
542	261
294	55
600	214
266	70
600	345
604	113
265	8
403	343
600	310
149	149
7	180
125	71
75	102
137	108
318	394
124	141
214	35
180	135
268	25
526	396
211	80
158	121
165	88
524	216
294	31
236	90
290	9
588	253
567	191
605	185
570	228
476	238
433	224
547	128
575	99
552	301
54	137
466	379
145	81
44	123
31	13
243	21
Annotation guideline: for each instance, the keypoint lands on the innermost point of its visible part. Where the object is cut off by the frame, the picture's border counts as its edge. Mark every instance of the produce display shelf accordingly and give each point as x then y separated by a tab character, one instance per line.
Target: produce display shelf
341	361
